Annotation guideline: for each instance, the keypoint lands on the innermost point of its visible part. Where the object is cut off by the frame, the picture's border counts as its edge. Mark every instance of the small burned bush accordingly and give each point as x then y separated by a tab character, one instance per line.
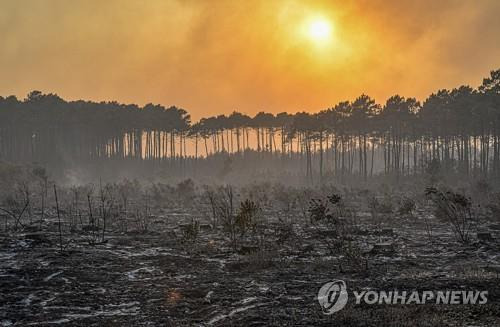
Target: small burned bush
455	209
220	201
407	206
191	231
236	226
235	223
339	220
328	210
246	217
332	213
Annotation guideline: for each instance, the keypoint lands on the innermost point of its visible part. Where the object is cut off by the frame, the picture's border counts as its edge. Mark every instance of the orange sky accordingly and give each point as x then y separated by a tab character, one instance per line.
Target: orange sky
218	56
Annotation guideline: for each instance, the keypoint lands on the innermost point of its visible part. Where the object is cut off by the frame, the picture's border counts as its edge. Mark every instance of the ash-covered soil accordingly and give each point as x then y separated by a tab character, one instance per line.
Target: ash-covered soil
157	278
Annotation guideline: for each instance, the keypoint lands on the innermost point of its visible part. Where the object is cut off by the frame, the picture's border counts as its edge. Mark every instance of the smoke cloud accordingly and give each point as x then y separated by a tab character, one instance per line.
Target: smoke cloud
219	56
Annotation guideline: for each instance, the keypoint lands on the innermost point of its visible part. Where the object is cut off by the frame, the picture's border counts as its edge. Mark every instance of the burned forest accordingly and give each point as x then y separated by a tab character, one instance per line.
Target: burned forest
250	163
239	220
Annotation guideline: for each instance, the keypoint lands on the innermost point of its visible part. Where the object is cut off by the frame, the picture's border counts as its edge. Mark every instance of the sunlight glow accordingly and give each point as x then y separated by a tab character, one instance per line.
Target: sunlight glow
319	30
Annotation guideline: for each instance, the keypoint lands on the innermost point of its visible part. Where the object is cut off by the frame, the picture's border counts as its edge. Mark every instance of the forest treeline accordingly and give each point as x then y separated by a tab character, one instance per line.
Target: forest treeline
457	130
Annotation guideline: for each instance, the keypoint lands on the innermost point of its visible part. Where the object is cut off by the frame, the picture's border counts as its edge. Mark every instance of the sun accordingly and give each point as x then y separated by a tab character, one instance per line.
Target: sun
319	30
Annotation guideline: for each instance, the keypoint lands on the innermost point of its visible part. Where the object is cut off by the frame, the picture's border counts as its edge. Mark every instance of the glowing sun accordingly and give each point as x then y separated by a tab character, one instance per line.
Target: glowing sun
319	30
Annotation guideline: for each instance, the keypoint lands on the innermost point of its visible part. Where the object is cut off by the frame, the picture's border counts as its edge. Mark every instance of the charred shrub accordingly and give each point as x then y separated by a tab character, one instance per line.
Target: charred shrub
246	217
455	209
407	206
238	225
328	210
221	203
191	231
339	236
